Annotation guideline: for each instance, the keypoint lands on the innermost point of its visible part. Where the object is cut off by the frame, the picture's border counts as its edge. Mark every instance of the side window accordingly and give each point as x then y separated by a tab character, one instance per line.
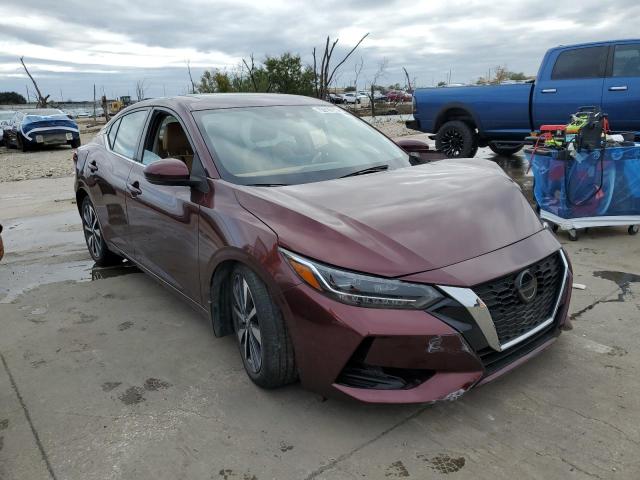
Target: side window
128	133
167	139
112	132
626	61
587	62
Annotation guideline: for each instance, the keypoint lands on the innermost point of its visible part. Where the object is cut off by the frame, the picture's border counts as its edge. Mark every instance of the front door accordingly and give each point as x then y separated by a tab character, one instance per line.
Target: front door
163	220
621	95
575	81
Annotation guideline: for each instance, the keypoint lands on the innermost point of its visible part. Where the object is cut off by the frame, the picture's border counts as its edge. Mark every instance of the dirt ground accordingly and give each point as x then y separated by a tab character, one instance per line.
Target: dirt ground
104	375
51	162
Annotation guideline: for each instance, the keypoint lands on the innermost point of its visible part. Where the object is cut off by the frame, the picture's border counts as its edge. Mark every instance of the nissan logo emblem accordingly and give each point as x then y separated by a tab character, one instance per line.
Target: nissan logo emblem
527	286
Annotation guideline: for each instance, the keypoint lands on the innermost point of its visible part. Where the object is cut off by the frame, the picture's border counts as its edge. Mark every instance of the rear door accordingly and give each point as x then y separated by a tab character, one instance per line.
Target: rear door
569	79
164	219
106	173
621	95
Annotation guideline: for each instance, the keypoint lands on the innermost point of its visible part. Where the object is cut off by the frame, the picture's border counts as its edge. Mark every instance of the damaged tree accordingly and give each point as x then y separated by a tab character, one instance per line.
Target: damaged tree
324	75
140	88
193	84
42	101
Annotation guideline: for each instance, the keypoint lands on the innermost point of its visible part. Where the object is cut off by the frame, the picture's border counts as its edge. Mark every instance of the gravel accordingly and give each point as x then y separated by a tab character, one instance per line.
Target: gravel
52	162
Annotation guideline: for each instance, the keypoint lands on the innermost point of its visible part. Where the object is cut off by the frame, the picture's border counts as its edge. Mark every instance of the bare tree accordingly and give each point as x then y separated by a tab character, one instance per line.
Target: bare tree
193	85
381	72
42	101
358	70
324	76
140	87
258	76
406	74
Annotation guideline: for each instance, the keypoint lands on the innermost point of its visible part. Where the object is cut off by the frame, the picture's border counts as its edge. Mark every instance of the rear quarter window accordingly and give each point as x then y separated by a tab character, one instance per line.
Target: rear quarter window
589	62
129	133
112	132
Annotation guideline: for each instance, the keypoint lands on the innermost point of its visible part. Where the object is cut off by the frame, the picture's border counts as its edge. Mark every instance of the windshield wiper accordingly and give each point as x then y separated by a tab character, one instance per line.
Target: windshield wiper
364	171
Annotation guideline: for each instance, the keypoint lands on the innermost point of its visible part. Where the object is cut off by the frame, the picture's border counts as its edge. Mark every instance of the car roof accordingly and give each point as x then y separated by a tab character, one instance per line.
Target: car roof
595	44
211	101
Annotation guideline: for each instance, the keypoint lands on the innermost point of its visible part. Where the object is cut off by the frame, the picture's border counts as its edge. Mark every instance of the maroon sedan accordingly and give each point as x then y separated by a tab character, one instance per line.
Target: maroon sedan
310	236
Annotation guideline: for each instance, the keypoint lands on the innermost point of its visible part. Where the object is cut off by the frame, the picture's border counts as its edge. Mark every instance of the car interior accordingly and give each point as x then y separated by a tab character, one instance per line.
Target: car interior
167	139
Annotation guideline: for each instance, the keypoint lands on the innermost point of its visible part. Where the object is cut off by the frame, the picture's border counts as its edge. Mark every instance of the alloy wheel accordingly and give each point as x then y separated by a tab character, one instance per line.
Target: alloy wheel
452	143
92	232
246	323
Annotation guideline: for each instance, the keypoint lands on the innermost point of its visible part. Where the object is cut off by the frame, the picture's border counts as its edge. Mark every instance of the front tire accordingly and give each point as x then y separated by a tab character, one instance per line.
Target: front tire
505	151
22	145
456	139
265	346
93	236
75	143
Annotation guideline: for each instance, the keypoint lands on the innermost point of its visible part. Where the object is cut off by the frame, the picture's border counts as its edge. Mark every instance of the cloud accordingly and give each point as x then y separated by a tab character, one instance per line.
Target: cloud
113	43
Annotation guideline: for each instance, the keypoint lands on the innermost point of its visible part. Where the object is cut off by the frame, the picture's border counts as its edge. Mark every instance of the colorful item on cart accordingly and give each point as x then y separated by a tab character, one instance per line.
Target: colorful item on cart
603	182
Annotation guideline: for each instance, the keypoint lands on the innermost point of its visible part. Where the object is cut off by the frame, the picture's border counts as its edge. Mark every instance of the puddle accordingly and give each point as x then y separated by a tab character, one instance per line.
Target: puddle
100	273
622	279
28	277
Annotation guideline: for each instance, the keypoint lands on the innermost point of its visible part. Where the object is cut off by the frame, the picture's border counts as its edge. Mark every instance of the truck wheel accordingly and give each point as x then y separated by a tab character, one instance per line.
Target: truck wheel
456	139
505	151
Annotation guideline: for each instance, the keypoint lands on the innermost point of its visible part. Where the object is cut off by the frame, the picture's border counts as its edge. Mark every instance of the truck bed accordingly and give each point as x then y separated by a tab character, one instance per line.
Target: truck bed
501	111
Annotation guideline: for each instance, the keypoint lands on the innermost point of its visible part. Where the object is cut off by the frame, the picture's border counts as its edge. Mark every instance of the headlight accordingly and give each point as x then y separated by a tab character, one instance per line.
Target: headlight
362	290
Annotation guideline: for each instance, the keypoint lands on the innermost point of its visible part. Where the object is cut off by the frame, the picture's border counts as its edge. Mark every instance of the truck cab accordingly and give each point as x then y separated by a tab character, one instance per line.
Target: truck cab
603	74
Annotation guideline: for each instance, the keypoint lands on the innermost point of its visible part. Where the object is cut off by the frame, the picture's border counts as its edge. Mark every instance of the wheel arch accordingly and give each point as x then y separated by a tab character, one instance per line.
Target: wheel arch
81	194
456	111
221	267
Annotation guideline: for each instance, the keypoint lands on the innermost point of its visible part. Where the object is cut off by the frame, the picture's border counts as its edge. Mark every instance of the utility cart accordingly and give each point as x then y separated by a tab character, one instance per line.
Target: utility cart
582	189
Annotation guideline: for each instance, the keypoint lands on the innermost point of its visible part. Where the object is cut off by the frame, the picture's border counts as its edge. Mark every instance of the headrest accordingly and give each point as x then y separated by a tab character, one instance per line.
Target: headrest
175	141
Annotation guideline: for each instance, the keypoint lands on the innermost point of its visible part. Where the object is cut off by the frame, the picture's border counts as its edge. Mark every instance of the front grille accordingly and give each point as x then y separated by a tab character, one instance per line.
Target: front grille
494	361
511	316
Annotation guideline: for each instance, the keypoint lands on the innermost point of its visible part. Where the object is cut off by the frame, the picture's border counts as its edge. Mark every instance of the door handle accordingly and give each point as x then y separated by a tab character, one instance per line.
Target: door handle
134	189
93	166
549	90
618	88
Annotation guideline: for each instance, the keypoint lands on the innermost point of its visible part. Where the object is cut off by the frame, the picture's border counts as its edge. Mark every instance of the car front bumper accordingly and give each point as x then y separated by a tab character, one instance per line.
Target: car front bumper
362	352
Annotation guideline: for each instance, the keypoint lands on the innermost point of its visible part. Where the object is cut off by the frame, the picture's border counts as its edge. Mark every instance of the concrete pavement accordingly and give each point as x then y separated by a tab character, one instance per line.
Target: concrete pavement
114	378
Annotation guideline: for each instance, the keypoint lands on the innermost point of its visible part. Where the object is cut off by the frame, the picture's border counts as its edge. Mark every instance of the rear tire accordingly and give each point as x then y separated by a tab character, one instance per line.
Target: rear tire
573	234
265	346
95	239
75	143
633	229
456	139
505	151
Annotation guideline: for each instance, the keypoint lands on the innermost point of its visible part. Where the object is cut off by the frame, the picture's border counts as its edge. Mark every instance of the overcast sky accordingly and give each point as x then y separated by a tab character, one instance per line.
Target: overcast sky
70	45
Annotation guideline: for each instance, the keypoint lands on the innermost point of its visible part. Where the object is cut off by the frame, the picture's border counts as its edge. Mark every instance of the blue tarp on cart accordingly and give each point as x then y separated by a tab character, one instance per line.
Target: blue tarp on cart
588	184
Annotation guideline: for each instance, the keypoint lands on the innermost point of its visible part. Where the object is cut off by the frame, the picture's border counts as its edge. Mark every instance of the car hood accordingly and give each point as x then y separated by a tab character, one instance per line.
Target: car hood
401	221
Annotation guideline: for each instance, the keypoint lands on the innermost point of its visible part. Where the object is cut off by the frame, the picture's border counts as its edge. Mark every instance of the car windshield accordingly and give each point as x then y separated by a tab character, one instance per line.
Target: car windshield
287	145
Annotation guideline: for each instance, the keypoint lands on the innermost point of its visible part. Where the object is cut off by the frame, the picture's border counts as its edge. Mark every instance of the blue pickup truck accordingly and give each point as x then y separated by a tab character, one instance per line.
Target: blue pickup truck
604	74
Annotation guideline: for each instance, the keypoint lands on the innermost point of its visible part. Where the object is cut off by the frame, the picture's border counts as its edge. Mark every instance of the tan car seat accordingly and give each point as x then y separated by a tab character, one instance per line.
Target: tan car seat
176	145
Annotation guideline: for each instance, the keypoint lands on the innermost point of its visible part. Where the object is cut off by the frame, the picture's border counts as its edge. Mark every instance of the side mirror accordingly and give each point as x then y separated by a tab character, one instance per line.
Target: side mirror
418	150
416	159
168	171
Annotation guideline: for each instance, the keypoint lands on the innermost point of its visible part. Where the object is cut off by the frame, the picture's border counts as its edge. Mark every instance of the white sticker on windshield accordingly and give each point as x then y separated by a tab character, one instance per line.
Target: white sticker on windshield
328	109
